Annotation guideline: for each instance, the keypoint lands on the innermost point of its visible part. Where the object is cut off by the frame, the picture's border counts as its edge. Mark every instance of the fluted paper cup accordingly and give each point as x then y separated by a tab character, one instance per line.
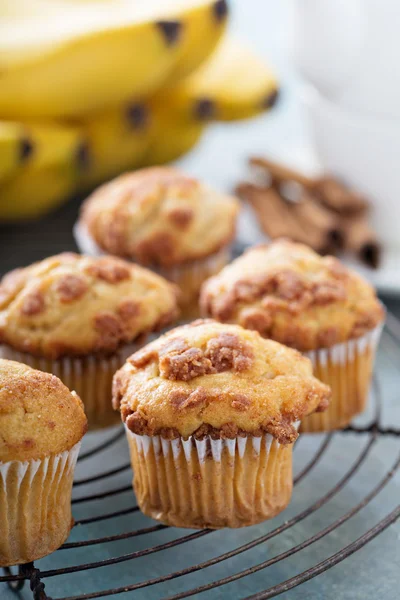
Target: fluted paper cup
211	483
190	276
347	369
35	506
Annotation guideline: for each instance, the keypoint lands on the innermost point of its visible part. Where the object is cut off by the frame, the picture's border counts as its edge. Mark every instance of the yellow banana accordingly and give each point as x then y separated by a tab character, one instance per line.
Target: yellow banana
49	175
15	147
203	27
233	84
84	57
172	135
63	58
118	140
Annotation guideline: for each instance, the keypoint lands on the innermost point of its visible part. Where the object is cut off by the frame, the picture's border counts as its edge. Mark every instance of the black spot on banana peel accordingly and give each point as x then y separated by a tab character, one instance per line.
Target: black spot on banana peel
220	9
137	116
205	109
171	30
83	157
271	99
26	148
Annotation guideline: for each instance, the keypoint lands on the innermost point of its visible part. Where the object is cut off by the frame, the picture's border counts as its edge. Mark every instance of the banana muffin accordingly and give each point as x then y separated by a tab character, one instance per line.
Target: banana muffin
41	427
211	414
290	294
164	220
79	318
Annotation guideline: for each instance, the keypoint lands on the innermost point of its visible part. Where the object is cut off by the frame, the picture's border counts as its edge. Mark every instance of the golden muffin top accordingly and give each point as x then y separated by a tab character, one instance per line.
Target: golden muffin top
159	216
38	414
290	294
220	380
70	305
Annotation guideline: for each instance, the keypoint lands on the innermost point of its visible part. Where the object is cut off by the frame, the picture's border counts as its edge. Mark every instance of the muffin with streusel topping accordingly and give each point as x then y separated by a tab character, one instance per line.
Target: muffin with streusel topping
164	220
290	294
41	427
211	414
79	318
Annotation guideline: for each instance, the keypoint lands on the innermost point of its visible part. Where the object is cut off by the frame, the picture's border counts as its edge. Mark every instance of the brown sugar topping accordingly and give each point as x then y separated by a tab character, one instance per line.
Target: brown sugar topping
109	269
71	287
240	402
226	352
128	309
284	289
283	431
33	304
143	357
181	217
160	244
137	424
109	328
185	366
182	400
257	320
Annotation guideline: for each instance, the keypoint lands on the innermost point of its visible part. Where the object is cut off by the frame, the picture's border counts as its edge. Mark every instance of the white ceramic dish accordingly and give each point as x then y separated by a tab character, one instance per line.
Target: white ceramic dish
349	50
364	152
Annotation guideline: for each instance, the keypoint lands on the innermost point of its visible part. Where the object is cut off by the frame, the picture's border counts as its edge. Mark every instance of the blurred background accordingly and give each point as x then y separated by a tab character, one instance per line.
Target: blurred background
219	156
93	88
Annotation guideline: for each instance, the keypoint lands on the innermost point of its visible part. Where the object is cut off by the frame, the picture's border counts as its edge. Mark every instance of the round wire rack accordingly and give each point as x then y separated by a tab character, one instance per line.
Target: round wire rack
322	499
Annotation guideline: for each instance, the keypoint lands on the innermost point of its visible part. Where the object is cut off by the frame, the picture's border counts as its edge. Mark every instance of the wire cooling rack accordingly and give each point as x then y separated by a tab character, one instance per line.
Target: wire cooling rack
169	558
346	493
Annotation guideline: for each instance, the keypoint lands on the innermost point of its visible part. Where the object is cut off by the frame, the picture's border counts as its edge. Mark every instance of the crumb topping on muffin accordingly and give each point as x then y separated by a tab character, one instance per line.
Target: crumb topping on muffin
159	216
220	380
38	414
290	294
70	305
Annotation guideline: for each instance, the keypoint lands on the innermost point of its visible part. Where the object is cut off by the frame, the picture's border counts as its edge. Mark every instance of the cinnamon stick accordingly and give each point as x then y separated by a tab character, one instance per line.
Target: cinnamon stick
337	197
277	218
279	173
330	191
360	239
316	217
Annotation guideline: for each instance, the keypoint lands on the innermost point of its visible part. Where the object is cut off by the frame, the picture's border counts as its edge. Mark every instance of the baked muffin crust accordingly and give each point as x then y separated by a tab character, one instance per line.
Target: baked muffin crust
290	294
220	380
159	217
38	414
70	305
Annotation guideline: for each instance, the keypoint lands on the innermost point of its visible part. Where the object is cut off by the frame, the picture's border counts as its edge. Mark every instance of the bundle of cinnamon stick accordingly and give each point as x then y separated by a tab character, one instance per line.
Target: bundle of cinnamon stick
322	212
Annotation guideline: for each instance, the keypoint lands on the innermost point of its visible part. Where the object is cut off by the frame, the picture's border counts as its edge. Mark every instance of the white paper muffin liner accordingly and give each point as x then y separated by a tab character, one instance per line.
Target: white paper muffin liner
35	506
211	483
342	353
347	369
85	242
89	376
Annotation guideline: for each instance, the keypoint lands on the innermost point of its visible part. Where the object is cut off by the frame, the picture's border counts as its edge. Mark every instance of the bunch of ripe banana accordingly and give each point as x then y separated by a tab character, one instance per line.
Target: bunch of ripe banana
91	88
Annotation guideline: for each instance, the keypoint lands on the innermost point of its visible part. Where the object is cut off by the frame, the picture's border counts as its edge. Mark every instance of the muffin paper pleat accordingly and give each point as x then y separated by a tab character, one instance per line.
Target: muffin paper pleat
89	376
211	483
35	506
191	276
347	369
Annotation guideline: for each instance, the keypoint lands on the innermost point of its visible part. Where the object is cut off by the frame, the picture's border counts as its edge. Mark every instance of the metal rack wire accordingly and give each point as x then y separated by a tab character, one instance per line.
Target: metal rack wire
369	434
